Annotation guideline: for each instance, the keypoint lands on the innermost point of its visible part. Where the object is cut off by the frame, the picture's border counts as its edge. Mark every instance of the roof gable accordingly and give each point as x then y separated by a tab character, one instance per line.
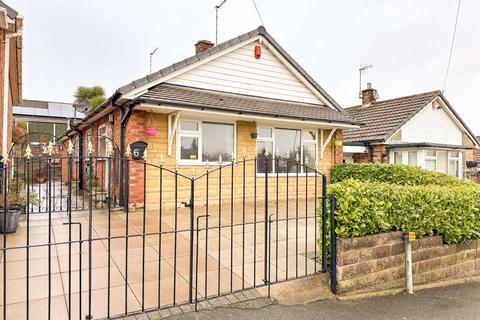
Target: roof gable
383	118
311	90
239	72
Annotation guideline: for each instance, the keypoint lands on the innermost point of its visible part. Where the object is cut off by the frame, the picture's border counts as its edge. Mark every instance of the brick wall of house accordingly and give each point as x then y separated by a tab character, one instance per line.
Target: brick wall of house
469	155
379	152
377	262
157	149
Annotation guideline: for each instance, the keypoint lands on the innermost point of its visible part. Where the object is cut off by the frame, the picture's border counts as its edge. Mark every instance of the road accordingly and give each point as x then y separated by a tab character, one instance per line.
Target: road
453	302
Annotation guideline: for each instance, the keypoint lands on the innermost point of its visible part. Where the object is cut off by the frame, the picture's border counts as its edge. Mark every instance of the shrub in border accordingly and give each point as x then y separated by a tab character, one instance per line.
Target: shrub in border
365	208
392	173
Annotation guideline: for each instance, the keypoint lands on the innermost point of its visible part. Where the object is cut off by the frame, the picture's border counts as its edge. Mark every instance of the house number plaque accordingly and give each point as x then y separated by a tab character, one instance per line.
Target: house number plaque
138	149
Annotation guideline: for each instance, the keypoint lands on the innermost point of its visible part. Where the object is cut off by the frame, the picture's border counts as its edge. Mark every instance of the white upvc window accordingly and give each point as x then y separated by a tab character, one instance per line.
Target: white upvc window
431	160
445	161
409	157
454	162
202	141
287	144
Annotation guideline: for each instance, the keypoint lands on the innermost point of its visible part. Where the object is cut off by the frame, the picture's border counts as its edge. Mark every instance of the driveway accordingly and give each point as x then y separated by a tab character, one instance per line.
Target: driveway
453	302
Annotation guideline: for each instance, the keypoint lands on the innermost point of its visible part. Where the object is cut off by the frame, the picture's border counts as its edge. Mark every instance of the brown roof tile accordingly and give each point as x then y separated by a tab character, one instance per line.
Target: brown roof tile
241	104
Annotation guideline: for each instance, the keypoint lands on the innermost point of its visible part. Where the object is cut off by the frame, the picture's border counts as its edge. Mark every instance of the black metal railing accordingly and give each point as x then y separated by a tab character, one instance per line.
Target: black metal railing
184	237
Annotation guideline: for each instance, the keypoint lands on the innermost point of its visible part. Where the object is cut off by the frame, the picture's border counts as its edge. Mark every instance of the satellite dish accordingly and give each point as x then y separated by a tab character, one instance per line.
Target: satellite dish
82	105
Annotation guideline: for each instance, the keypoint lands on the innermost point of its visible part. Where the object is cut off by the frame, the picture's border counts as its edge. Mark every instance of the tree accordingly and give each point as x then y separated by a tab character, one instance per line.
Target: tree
94	94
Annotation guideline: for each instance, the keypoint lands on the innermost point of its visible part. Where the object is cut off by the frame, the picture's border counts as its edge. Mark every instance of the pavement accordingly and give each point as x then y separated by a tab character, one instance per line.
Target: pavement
453	302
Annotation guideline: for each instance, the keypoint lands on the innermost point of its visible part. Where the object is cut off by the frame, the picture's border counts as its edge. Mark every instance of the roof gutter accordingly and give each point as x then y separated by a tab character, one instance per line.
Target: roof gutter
200	107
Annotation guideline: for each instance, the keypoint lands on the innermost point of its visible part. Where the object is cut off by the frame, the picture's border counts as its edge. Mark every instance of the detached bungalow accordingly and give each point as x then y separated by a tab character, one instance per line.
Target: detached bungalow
240	98
419	130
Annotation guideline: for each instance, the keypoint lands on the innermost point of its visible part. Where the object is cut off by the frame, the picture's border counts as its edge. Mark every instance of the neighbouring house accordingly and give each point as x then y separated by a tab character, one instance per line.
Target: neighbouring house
39	122
241	98
418	130
11	25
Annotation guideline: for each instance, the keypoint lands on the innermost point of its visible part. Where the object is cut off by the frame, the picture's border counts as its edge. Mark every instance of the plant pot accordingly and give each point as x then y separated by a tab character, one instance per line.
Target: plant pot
13	215
151	132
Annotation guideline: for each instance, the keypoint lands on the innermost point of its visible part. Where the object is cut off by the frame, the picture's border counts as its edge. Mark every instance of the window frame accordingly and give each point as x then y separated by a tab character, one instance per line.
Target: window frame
272	152
198	134
105	137
457	159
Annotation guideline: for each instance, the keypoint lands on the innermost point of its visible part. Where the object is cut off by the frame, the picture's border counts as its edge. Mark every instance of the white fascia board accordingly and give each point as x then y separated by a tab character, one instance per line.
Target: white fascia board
296	73
355	149
455	119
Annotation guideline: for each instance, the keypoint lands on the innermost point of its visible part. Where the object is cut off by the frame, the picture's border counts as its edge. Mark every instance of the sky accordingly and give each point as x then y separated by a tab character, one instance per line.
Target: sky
68	43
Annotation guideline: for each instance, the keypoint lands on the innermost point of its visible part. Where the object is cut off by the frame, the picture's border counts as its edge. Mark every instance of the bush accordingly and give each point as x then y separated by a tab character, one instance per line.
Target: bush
365	208
392	173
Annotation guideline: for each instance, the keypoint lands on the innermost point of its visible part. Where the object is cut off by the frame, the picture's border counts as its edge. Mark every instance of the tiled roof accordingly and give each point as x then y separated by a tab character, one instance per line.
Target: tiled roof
12	13
218	48
240	104
383	118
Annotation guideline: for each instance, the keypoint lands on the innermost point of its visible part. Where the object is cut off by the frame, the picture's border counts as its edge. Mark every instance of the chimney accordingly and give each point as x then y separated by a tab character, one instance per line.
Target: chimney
202	45
369	95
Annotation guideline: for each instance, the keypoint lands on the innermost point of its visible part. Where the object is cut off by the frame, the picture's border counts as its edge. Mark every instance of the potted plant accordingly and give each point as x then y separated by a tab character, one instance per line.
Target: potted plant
16	200
150	131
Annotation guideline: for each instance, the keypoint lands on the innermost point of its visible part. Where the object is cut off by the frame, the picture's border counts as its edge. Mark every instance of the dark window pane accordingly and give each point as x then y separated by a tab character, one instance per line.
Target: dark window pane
217	139
60	129
262	147
287	141
40	131
188	148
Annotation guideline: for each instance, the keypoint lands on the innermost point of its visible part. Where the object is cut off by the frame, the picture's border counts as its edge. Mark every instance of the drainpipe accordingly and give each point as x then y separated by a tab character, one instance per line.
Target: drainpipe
6	87
80	157
370	150
124	116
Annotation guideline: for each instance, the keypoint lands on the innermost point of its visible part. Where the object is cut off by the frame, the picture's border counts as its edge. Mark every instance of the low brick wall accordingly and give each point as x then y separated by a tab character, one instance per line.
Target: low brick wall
377	262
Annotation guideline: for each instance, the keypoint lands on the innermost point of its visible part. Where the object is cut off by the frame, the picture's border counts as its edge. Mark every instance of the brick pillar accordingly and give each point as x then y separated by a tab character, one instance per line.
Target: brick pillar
338	155
135	131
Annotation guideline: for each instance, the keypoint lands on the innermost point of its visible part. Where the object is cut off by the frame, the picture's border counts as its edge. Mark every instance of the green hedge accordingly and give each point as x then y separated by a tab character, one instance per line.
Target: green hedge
365	208
392	173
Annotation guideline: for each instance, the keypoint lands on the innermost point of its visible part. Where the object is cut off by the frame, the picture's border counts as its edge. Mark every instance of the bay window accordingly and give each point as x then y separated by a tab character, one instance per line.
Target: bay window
287	144
199	142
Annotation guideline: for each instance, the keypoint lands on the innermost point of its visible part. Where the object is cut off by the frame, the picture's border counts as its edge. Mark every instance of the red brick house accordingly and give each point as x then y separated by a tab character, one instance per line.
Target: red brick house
244	96
11	25
419	130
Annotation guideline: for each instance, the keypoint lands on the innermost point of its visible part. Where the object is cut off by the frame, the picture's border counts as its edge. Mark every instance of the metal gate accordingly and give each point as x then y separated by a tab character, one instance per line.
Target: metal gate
184	237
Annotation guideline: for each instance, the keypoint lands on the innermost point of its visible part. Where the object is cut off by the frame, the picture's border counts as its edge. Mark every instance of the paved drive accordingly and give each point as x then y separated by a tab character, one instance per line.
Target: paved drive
454	302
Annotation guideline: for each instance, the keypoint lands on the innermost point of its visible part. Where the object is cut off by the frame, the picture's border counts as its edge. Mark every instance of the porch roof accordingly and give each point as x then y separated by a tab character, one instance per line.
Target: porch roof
240	104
